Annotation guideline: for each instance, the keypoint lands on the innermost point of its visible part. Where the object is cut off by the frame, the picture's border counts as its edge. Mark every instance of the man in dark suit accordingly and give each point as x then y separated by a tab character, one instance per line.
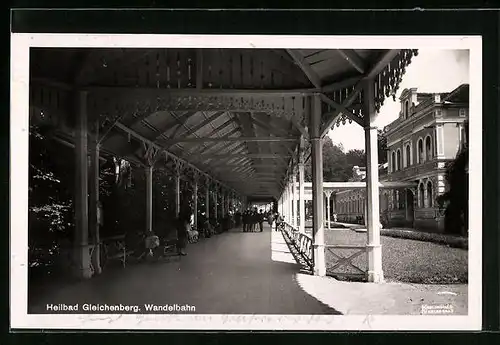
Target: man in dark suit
261	220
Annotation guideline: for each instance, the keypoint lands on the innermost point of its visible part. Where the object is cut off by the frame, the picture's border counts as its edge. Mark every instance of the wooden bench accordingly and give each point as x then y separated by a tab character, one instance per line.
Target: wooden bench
115	248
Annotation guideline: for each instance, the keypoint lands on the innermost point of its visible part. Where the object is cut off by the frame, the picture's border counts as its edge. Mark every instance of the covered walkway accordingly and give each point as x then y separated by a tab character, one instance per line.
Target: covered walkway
229	126
232	273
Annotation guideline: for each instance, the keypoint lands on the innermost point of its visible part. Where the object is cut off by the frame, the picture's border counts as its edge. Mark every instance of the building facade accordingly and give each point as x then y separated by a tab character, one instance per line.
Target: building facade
430	131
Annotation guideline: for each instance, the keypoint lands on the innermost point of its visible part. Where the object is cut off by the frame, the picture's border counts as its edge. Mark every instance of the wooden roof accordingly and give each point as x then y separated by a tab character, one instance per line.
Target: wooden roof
234	114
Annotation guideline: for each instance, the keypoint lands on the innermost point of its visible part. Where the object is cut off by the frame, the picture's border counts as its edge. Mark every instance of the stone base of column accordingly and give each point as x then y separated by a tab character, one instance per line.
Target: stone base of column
319	260
375	273
82	268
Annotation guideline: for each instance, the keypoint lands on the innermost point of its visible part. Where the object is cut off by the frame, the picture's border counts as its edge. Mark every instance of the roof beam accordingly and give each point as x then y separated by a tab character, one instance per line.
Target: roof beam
167	153
163	92
341	84
342	109
354	59
256	165
384	60
301	129
305	67
270	127
179	122
329	122
249	155
217	144
230	139
208	120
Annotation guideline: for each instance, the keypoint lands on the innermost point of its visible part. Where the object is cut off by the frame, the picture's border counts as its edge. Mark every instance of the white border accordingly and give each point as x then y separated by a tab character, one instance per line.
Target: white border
20	44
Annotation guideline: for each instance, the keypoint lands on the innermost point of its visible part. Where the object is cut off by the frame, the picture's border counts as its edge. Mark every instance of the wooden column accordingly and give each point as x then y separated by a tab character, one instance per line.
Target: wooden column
149	197
290	202
294	198
287	201
207	200
302	202
223	203
177	191
317	188
374	249
328	194
334	205
216	201
81	248
195	202
94	200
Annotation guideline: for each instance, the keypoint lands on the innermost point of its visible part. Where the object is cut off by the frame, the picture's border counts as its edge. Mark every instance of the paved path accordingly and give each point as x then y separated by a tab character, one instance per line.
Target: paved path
231	273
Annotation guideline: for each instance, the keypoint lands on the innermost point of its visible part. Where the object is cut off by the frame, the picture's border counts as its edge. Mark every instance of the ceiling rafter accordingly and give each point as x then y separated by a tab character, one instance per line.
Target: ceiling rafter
180	122
305	67
245	120
167	153
354	59
214	145
188	148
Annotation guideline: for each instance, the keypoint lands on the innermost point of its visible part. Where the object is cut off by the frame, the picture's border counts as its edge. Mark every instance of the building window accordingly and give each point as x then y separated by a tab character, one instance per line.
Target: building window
408	155
428	148
462	112
393	161
420	149
399	160
430	199
406	113
421	195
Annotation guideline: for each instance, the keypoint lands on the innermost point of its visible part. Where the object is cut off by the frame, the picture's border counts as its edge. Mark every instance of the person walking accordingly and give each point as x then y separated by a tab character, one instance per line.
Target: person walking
261	220
270	220
278	221
255	219
244	219
183	225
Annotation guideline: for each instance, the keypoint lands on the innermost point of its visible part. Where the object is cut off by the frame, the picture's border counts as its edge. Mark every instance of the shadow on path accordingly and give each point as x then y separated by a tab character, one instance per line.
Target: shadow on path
231	273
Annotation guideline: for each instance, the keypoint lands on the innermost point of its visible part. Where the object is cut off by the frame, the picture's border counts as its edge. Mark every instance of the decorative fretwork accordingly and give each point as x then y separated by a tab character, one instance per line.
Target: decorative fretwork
388	80
139	105
386	84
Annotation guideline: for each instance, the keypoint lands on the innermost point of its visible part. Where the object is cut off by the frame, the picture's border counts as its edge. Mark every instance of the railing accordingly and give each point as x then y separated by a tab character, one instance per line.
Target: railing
341	260
416	169
302	242
346	261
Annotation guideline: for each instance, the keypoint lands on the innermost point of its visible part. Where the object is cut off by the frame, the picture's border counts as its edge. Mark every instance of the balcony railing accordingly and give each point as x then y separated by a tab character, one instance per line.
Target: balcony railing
416	169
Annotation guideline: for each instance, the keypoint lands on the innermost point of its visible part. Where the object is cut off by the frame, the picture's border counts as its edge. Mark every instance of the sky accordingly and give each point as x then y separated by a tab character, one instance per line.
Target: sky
431	71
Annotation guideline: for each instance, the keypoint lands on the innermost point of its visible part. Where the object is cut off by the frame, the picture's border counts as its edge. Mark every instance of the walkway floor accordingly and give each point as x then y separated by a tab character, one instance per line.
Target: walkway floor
231	273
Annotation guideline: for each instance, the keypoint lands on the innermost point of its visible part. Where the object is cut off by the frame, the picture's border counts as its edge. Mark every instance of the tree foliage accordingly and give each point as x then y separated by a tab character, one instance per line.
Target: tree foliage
455	202
338	164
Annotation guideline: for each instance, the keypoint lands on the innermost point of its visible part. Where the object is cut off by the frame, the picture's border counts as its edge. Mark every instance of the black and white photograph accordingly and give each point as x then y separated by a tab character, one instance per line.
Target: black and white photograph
246	182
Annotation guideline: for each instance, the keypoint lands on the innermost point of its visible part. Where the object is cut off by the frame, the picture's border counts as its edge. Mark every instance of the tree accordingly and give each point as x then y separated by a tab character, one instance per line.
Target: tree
455	200
338	164
50	206
382	147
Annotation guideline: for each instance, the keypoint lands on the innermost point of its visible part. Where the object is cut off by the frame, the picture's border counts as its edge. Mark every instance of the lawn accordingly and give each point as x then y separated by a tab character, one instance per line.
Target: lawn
405	260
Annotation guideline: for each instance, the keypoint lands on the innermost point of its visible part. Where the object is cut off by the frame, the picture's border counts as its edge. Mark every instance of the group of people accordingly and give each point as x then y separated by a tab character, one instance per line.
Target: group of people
251	218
